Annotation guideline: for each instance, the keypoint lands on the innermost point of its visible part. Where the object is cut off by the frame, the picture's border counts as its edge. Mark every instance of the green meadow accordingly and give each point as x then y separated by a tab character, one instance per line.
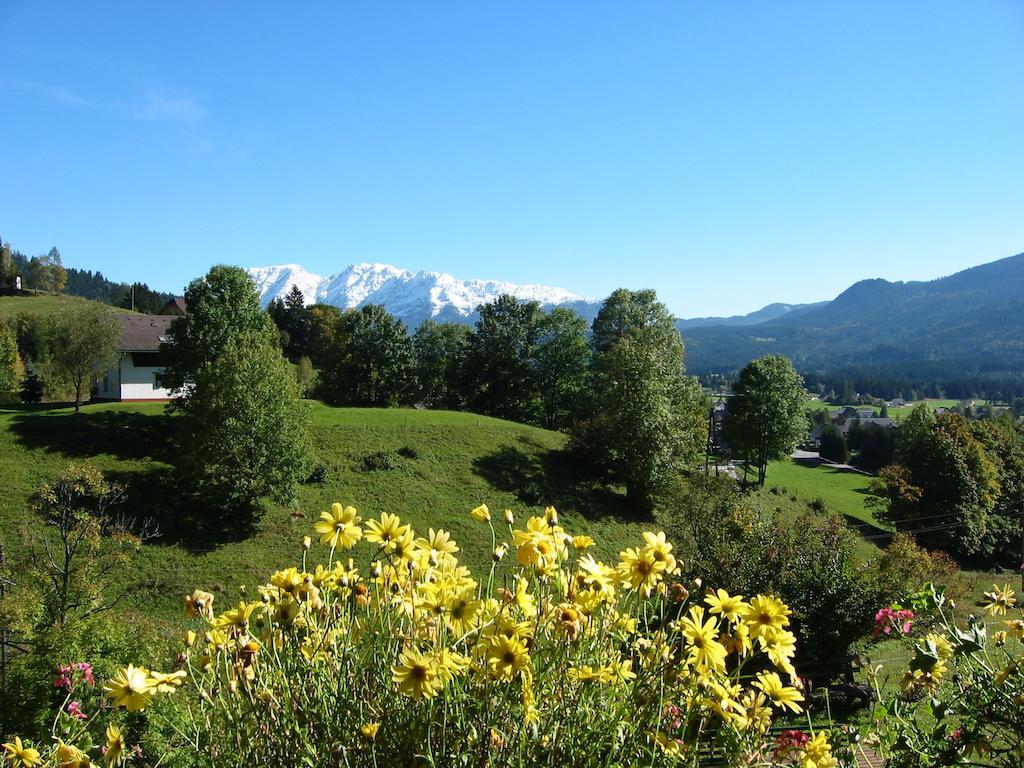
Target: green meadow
429	467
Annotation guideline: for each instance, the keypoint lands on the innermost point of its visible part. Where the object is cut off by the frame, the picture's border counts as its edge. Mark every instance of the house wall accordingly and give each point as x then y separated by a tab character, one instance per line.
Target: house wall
126	382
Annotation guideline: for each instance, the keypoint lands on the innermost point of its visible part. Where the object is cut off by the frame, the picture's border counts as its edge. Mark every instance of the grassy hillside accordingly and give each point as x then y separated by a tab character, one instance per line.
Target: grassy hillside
444	464
40	304
844	492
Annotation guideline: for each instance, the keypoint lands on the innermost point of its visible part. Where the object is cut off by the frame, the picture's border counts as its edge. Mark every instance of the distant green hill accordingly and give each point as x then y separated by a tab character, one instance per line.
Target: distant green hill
442	464
971	322
40	304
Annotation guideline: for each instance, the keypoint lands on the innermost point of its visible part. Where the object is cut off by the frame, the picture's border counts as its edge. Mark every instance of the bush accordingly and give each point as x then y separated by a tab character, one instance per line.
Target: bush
318	475
378	461
555	659
833	445
960	698
814	562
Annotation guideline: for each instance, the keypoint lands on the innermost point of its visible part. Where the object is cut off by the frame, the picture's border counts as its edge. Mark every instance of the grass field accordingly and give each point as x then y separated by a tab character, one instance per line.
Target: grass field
896	412
41	304
843	491
445	463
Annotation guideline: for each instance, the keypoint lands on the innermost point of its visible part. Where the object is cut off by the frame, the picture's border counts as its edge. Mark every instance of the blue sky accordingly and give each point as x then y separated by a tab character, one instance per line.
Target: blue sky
727	155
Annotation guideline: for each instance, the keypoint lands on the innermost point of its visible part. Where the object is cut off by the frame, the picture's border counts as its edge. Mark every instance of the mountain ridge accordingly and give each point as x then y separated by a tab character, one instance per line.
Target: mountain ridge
971	321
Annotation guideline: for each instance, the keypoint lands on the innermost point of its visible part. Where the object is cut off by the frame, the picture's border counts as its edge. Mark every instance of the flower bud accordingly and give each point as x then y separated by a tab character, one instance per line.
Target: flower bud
509	518
306	542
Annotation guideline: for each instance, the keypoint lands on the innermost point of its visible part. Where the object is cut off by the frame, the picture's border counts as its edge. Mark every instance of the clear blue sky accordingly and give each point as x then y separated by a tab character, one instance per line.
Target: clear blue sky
726	154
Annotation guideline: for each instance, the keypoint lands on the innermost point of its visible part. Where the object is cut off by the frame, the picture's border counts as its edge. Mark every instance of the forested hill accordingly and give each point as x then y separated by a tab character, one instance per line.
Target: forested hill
971	322
93	285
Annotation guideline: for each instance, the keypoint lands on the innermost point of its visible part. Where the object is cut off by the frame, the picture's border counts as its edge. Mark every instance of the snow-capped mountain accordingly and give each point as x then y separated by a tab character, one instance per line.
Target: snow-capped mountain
409	296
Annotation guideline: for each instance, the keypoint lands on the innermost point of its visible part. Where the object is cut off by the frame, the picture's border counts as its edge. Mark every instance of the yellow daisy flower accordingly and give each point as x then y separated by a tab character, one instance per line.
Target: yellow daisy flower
21	755
340	527
130	688
416	675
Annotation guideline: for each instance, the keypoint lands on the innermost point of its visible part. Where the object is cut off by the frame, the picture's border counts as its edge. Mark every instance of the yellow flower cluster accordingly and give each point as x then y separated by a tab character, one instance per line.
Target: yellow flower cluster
133	687
556	624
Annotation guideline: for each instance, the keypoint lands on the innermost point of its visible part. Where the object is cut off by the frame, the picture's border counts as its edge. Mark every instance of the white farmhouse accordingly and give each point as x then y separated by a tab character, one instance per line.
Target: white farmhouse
137	373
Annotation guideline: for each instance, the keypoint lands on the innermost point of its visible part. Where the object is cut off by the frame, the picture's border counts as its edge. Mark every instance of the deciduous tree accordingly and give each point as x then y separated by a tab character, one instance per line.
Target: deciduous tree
645	417
561	360
833	445
242	428
943	487
12	369
438	349
498	372
83	345
765	418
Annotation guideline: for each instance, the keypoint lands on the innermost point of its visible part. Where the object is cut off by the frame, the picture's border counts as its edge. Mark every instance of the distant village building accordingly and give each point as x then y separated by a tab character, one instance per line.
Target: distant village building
137	375
176	306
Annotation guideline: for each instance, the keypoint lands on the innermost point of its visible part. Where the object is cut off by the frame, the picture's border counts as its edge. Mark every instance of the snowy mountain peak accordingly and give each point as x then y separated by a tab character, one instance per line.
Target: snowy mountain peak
410	296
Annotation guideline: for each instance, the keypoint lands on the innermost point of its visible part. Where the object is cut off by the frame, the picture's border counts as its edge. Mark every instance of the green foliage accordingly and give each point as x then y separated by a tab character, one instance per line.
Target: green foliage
561	360
498	371
370	363
876	446
646	418
292	318
12	369
812	561
222	305
960	698
83	345
438	350
833	445
81	545
944	485
241	430
766	417
323	325
305	375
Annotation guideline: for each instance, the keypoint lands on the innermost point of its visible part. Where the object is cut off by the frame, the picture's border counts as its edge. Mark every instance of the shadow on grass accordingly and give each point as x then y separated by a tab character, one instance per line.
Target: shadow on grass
182	518
154	493
541	477
125	435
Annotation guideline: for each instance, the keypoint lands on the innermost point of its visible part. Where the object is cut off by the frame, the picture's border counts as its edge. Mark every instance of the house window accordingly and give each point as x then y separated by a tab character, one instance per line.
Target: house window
157	383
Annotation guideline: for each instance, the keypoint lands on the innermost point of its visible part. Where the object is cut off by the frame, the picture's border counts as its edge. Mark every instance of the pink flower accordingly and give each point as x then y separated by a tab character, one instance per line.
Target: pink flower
887	620
63	679
86	669
75	710
788	740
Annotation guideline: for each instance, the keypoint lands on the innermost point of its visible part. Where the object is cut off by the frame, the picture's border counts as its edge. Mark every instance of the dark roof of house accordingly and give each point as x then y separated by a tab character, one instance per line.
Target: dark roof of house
143	333
881	421
176	306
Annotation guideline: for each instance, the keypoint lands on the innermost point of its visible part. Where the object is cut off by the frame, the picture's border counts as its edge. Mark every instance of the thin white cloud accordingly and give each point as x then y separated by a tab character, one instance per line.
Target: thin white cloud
53	92
164	106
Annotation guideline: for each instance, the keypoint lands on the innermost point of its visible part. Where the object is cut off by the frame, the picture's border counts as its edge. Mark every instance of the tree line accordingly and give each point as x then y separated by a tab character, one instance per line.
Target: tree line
47	273
618	387
957	485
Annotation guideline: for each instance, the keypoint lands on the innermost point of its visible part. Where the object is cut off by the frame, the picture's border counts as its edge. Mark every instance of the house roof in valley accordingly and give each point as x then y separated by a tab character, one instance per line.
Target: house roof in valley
143	333
176	306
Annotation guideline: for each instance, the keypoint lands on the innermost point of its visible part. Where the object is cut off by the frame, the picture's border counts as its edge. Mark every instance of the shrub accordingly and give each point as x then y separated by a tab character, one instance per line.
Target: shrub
960	697
318	475
378	461
555	659
814	563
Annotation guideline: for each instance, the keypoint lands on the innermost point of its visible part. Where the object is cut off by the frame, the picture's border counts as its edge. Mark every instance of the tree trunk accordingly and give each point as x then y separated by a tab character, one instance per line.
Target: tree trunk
78	397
